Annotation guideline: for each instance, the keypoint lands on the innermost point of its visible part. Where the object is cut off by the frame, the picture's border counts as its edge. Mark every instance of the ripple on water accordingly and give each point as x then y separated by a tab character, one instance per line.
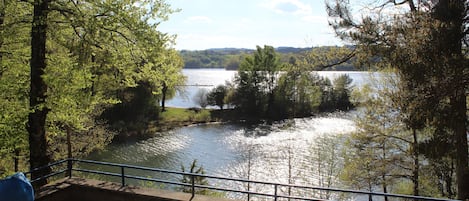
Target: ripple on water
229	149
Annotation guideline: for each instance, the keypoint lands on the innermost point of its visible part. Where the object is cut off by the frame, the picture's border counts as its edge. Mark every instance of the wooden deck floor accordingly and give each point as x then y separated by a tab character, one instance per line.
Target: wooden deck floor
78	189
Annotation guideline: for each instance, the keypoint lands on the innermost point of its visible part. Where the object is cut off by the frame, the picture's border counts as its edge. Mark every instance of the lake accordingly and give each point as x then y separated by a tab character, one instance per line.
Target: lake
295	151
210	78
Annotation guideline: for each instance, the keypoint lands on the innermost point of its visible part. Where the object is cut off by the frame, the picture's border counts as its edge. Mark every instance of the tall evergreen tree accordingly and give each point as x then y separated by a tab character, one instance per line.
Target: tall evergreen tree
423	40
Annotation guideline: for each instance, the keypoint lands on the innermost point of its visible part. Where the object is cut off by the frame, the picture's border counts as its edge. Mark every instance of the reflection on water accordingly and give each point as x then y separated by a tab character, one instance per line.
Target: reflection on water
283	152
300	151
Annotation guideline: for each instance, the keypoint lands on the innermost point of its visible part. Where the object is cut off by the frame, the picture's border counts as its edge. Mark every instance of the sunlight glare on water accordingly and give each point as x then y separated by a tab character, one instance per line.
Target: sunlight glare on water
290	151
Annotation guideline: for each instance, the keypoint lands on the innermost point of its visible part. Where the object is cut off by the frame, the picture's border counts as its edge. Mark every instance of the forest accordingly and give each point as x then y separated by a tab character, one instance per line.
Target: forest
67	65
231	58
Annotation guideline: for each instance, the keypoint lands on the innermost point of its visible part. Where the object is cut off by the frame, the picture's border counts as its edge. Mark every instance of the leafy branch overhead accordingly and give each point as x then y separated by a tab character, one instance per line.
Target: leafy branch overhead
426	43
80	57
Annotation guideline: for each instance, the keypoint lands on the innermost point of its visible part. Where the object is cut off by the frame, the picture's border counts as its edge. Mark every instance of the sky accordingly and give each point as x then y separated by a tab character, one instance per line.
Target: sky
204	24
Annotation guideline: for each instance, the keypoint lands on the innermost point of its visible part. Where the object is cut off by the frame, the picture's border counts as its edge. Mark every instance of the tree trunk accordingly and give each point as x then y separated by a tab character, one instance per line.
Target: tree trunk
416	167
459	127
383	176
16	159
164	90
37	96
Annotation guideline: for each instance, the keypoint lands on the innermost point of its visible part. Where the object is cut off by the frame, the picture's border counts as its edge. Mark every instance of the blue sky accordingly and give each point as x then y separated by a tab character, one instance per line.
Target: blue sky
203	24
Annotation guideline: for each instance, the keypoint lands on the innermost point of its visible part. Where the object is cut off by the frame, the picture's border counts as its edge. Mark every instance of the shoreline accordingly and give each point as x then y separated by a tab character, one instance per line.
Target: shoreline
174	118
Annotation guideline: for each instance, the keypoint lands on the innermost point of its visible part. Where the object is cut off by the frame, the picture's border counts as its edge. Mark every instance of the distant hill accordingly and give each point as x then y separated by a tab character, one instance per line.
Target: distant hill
230	58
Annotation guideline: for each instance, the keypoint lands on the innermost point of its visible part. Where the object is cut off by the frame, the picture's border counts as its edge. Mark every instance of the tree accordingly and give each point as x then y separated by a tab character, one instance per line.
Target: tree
201	98
424	42
380	143
342	90
197	180
14	48
92	49
171	75
217	96
36	125
298	93
256	81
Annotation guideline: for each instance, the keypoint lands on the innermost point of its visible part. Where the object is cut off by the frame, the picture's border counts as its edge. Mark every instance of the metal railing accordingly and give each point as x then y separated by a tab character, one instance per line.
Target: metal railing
68	172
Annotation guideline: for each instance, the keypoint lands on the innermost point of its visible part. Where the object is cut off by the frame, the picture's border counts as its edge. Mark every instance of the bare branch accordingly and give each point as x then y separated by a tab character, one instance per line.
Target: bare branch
341	61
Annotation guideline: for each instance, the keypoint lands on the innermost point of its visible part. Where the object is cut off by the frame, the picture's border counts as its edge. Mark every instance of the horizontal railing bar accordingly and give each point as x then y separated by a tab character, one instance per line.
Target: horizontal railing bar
256	193
263	183
129	176
97	172
157	180
299	198
128	166
46	166
233	190
175	172
49	175
362	192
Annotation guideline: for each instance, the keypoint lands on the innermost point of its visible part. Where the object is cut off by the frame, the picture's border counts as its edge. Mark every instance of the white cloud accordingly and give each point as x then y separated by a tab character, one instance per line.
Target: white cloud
199	19
288	7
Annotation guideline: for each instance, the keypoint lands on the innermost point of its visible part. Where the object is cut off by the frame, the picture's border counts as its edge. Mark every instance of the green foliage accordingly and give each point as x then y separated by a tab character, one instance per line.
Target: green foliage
197	180
231	58
424	43
298	93
266	88
256	81
378	150
98	54
384	153
217	96
342	90
14	82
169	75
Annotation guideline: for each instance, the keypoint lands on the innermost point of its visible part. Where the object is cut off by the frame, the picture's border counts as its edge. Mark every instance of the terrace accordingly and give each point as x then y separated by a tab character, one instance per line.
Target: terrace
71	185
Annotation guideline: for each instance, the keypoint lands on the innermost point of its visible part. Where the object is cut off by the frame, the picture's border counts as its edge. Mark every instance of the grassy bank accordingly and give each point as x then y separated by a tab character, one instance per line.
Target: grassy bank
175	118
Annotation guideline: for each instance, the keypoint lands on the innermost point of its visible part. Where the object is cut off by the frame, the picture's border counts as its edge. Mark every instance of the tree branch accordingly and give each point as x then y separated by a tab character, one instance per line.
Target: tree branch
341	61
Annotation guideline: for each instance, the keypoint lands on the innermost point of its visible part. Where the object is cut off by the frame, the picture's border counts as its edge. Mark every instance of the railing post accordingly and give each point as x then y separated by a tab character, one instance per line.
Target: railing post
193	186
249	190
275	192
122	176
69	168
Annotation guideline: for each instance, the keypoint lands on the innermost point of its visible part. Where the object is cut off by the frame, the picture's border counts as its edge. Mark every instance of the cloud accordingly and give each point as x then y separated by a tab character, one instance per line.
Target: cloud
288	7
199	19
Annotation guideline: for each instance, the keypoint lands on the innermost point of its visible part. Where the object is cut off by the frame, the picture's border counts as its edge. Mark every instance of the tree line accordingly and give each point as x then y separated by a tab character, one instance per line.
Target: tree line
67	65
231	58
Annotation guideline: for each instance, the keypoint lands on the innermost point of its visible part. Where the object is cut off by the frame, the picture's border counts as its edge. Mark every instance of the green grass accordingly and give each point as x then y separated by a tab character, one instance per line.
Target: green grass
178	117
174	118
174	115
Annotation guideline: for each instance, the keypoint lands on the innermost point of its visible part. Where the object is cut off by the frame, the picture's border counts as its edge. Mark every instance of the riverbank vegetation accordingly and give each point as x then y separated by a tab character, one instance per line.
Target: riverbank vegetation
267	89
